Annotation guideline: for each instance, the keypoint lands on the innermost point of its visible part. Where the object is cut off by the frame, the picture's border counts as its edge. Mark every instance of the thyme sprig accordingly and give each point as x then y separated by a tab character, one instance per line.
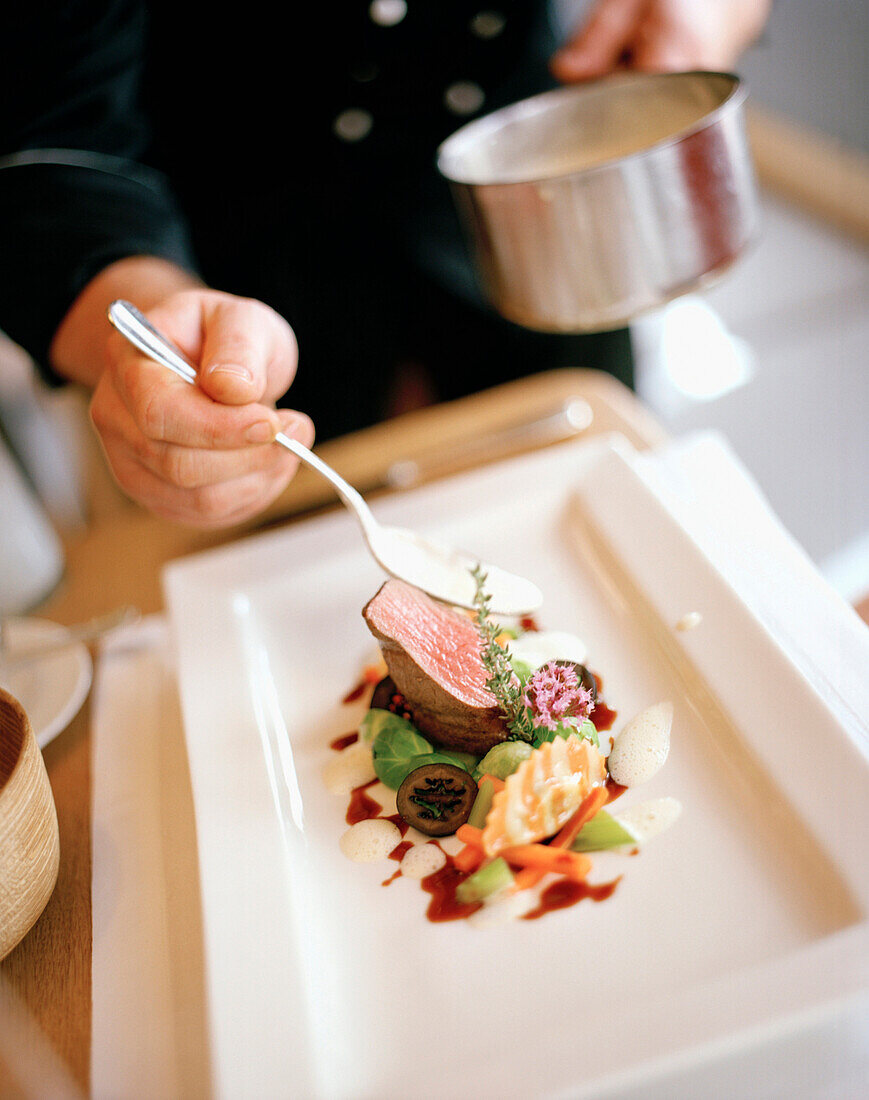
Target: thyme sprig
502	681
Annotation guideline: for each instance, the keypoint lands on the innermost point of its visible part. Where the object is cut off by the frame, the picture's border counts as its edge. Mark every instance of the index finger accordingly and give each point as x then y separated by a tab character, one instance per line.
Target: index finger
167	409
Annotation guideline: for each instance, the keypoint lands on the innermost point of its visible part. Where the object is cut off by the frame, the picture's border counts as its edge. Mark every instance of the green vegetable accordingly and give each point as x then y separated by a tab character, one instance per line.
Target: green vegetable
466	760
375	720
488	880
503	759
482	803
442	756
603	831
522	669
395	749
586	729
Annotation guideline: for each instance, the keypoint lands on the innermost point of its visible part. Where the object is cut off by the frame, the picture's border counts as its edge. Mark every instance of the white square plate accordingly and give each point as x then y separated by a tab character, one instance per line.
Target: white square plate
745	920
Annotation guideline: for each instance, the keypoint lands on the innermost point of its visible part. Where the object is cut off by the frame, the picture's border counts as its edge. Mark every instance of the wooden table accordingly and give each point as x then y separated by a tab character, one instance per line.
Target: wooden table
118	561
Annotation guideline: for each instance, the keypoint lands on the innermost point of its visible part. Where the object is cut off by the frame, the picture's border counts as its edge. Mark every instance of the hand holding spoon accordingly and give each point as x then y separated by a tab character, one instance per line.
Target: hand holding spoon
442	572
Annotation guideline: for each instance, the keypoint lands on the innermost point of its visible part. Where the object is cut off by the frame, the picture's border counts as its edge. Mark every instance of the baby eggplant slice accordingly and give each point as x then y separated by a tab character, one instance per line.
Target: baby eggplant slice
436	798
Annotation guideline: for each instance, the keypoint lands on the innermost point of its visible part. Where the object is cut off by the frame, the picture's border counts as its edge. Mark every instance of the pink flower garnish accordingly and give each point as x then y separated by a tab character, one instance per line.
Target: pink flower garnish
554	695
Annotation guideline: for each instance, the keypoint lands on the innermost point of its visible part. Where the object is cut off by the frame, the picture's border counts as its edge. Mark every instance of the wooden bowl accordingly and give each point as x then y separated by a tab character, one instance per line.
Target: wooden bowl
29	845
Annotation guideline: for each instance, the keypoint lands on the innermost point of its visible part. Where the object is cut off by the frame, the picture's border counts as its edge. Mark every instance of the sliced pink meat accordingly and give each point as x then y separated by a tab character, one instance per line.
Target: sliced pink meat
433	655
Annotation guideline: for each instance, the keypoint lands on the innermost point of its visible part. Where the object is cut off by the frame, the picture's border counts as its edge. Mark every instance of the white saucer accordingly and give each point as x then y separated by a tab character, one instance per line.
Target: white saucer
52	688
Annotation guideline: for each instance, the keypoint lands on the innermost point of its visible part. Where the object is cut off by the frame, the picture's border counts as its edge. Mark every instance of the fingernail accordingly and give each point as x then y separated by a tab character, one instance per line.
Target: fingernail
291	422
231	370
261	432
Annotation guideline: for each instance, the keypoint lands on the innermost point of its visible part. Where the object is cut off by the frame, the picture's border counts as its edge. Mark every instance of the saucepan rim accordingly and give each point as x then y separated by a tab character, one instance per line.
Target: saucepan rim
532	106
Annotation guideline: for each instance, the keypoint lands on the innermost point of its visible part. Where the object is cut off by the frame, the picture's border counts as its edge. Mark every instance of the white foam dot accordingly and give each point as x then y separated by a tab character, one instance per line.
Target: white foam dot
642	746
536	647
370	841
422	860
349	768
650	818
501	908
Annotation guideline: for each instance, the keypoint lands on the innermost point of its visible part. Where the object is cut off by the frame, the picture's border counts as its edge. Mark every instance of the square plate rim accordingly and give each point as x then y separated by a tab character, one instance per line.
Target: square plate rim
208	566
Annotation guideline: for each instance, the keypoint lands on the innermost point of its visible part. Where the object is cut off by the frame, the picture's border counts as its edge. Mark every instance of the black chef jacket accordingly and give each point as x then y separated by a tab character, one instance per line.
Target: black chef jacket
285	152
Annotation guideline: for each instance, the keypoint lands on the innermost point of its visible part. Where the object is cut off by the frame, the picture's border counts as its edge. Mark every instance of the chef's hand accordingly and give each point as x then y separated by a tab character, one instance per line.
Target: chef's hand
660	36
200	455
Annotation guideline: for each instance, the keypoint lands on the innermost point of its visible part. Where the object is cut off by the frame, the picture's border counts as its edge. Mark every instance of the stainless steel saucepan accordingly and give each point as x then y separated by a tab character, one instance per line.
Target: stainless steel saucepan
591	204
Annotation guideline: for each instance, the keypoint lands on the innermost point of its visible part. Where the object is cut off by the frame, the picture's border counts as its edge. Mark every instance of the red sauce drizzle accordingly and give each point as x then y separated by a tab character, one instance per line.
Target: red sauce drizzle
528	622
442	886
362	806
602	717
356	692
400	850
344	742
399	822
398	853
614	790
564	893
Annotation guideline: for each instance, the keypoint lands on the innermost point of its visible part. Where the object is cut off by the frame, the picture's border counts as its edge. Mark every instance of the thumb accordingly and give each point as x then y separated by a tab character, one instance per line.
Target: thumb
237	349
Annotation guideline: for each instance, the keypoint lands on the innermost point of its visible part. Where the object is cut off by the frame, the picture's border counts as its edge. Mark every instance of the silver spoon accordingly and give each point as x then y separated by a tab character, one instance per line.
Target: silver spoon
442	572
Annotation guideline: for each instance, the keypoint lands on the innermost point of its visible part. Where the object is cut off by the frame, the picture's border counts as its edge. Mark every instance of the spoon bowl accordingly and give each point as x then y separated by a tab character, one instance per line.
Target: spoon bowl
441	571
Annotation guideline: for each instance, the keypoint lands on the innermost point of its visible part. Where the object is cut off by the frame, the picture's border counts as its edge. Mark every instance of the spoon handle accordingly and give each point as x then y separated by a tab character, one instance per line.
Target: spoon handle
135	327
353	499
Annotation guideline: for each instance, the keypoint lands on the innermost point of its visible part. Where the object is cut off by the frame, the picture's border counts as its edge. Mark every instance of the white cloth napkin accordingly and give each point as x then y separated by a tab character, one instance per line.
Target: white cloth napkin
147	1026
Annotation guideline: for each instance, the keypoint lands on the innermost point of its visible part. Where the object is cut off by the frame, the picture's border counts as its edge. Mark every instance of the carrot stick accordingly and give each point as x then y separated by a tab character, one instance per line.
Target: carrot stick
587	809
497	784
470	834
531	874
545	859
473	854
470	858
527	877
